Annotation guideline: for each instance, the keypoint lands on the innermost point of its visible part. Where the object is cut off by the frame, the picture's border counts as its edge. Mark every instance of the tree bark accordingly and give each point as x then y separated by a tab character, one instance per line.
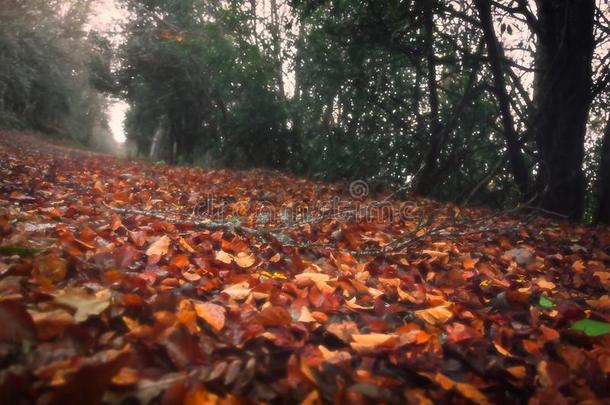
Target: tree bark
603	208
423	181
496	57
562	98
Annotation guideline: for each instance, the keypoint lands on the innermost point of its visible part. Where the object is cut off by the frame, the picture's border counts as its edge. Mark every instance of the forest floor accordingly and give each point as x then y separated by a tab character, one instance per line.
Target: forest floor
131	281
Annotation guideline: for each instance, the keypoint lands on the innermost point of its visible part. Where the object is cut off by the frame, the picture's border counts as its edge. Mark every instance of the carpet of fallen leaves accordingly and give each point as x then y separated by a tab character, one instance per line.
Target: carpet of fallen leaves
102	306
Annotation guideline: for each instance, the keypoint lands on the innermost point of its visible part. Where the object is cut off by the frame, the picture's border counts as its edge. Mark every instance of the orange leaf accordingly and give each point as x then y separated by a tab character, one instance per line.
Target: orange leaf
238	291
98	187
546	285
200	396
578	266
159	248
180	261
223	257
244	259
126	376
549	334
213	314
435	315
518	372
51	267
274	316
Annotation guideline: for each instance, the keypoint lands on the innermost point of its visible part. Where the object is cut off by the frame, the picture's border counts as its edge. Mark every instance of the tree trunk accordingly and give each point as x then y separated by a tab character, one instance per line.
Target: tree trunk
603	208
277	48
562	97
423	178
513	145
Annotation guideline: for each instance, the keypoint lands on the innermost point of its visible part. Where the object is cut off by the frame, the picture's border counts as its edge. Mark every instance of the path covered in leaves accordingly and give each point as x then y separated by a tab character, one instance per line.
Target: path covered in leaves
124	281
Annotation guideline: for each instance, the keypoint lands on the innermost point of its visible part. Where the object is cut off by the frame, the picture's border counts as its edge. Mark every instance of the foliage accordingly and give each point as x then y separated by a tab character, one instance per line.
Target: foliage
211	86
44	78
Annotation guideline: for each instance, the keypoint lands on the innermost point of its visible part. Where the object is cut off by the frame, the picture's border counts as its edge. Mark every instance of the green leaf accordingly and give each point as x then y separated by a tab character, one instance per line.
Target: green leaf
18	250
26	346
545	302
591	327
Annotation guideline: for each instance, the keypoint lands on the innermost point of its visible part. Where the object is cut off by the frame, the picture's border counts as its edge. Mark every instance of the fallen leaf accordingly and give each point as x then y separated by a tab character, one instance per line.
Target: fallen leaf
305	315
50	267
435	253
274	316
545	302
159	247
223	257
125	377
238	291
603	303
50	324
213	314
435	315
546	285
16	323
591	327
371	342
245	260
84	303
343	331
518	372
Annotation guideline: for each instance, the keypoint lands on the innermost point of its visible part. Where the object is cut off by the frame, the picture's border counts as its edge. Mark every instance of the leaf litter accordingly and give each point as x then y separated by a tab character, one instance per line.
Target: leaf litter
114	290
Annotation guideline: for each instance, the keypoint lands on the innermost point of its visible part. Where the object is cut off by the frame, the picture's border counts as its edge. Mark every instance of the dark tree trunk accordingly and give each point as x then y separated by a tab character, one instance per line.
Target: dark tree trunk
603	209
496	61
423	179
562	97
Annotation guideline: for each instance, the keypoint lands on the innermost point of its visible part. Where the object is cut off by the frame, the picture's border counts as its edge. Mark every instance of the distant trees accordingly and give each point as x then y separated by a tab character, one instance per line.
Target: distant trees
202	68
45	76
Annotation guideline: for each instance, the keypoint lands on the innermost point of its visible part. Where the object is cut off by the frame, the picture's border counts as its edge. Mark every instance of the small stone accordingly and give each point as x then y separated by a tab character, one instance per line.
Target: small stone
521	256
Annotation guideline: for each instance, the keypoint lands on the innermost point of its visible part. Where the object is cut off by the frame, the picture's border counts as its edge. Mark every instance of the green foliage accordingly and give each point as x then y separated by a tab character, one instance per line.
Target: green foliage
591	327
545	302
213	88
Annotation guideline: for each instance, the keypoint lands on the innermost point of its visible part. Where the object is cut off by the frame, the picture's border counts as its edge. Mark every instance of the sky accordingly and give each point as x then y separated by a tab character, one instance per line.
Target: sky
105	17
117	109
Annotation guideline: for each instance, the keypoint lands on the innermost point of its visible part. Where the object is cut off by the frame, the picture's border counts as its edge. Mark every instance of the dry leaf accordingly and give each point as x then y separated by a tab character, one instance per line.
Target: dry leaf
238	291
86	304
223	257
244	259
159	248
213	314
435	315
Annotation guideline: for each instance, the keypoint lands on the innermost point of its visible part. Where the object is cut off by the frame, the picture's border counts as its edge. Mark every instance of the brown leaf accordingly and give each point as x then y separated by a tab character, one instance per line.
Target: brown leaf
50	267
238	291
553	374
274	316
50	324
245	260
305	315
224	257
343	331
213	314
159	247
435	315
200	396
84	303
371	342
16	323
125	377
85	380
